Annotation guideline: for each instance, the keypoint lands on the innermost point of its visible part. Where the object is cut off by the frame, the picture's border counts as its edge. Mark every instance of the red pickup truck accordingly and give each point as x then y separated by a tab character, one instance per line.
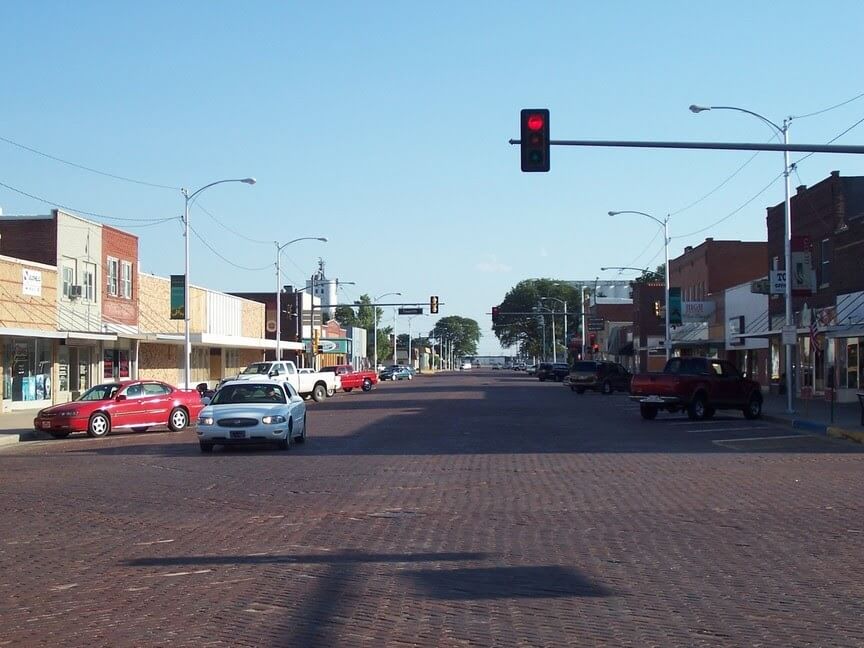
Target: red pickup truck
353	379
699	386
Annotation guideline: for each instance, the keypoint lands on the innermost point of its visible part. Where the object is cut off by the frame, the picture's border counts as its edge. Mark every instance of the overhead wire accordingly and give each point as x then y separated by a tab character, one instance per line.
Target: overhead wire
225	259
83	211
824	110
86	168
229	229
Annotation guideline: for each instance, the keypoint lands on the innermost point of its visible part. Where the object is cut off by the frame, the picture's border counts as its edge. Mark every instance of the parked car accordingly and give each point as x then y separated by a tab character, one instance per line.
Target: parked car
138	405
316	384
465	366
599	375
552	371
397	372
531	370
699	386
253	411
352	379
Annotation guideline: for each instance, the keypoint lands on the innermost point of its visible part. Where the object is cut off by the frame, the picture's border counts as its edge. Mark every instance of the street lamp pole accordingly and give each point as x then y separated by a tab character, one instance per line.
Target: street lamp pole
279	249
553	322
375	325
188	199
787	243
665	225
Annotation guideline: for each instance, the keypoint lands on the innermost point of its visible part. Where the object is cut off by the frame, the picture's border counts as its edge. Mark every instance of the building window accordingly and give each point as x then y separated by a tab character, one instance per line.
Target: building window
88	286
825	258
68	280
113	272
126	279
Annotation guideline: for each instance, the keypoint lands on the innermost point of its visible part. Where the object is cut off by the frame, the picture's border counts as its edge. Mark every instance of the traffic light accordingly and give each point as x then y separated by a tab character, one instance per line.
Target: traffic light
433	304
535	140
316	342
494	314
657	312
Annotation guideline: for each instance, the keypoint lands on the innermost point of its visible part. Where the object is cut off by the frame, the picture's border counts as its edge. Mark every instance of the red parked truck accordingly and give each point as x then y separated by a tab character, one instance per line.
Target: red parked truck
352	379
698	386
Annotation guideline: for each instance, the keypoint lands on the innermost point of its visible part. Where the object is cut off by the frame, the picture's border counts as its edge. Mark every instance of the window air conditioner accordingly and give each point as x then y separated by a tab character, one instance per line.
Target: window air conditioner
74	292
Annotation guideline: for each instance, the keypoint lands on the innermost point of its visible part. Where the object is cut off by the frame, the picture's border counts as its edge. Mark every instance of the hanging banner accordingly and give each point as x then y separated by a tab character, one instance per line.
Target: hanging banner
178	297
803	275
675	307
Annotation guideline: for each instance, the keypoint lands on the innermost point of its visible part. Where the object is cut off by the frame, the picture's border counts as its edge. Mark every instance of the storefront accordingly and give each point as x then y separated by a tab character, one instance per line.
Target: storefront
79	363
28	379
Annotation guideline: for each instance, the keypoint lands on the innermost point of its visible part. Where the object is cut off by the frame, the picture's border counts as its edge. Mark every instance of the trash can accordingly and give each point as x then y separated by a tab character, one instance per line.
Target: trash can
861	403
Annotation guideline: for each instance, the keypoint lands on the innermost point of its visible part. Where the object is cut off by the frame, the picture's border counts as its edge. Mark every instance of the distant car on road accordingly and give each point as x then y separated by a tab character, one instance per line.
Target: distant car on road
139	405
253	411
465	366
599	375
397	372
353	379
531	370
698	386
552	371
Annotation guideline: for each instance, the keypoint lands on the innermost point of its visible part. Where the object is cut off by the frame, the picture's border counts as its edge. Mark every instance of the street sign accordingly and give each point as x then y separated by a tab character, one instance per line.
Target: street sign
596	323
777	281
789	335
404	310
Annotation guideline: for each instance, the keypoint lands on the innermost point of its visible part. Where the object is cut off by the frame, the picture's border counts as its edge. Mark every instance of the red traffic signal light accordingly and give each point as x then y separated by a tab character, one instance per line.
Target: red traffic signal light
535	140
494	313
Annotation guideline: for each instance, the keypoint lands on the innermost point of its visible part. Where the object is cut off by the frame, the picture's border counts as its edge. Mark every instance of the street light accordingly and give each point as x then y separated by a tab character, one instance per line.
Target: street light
554	352
279	249
188	198
553	322
375	324
787	244
624	268
665	225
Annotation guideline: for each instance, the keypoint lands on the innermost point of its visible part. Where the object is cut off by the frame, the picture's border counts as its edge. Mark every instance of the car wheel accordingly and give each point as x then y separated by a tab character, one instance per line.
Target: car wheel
367	385
99	425
754	407
606	389
288	441
206	446
302	437
710	412
697	408
410	377
140	428
59	435
394	378
347	389
178	419
330	392
319	393
648	412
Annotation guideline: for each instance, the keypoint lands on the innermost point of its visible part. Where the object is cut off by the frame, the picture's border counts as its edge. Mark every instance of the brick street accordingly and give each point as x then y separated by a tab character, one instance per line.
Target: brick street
482	509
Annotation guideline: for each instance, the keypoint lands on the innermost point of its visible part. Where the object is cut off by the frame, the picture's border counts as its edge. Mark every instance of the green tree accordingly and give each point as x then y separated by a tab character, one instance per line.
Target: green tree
524	312
464	331
652	276
362	316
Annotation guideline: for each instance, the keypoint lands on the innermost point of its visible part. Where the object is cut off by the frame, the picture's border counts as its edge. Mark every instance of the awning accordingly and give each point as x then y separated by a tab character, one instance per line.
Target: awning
35	333
87	335
238	342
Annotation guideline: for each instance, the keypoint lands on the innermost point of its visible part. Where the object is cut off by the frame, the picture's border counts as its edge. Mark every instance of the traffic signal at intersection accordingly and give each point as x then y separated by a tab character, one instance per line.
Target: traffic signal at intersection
494	313
535	140
433	304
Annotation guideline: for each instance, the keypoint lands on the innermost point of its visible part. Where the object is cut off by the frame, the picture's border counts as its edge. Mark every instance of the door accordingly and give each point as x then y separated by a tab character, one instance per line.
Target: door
128	412
157	403
622	377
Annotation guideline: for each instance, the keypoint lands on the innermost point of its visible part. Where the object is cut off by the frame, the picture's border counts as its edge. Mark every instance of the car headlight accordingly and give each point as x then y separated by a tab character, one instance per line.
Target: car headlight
205	420
269	420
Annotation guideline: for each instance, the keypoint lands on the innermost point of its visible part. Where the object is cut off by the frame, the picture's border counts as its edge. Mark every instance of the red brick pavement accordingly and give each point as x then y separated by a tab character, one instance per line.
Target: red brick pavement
481	510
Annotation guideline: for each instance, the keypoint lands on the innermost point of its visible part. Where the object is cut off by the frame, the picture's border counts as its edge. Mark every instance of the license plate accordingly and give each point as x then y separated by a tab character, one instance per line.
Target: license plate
653	399
46	424
238	434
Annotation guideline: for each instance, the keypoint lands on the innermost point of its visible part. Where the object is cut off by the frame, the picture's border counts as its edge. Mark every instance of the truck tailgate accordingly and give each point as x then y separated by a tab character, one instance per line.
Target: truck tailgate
654	385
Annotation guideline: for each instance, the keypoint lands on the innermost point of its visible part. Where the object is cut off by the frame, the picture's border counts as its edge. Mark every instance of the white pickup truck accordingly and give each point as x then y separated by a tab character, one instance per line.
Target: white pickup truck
316	384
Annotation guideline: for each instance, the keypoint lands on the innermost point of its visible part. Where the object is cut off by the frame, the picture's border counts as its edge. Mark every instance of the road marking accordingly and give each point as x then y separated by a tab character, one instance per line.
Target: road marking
144	544
766	438
732	429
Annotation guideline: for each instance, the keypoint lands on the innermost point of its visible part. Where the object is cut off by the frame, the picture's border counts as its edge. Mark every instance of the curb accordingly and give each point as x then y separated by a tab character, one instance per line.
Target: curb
18	437
845	433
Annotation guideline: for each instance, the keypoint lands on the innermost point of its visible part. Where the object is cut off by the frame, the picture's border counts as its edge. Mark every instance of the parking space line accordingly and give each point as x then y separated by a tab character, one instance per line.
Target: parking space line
731	429
765	438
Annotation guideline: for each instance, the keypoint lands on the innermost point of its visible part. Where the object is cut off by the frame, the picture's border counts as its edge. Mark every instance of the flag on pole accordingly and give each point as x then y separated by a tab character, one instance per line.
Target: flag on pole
814	331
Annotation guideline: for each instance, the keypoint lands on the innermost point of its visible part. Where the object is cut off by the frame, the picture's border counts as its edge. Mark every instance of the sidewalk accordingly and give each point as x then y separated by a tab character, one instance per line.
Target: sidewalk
18	426
815	415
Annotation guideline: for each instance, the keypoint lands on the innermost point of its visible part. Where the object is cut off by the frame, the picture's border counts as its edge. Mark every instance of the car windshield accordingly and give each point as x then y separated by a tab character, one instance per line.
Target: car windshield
100	392
584	366
249	393
257	368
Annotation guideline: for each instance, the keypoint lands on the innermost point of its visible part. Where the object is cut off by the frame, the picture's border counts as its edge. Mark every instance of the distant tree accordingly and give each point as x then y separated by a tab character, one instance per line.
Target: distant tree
652	276
523	313
464	331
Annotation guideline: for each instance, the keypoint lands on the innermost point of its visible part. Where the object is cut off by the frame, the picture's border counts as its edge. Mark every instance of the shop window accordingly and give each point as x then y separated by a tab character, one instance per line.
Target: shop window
126	280
840	355
27	365
852	364
88	284
68	278
115	364
113	276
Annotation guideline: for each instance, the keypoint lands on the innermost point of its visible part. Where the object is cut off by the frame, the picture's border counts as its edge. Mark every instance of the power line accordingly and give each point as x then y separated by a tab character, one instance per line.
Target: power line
86	168
82	211
718	187
226	260
232	231
831	141
824	110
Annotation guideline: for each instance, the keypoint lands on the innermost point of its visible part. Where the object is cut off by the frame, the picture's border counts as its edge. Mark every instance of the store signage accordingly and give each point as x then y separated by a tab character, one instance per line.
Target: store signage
338	345
697	311
178	297
31	282
777	282
790	334
803	275
736	329
596	323
675	312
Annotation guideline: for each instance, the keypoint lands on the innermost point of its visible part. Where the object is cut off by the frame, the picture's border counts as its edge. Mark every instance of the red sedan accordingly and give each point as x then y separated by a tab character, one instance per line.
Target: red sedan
138	405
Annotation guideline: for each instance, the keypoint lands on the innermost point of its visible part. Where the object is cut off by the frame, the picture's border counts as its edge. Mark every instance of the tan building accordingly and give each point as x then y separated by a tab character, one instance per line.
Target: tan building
227	333
28	334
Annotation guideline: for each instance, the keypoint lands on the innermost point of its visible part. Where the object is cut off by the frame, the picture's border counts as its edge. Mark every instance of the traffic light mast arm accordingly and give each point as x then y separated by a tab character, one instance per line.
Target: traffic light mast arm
725	146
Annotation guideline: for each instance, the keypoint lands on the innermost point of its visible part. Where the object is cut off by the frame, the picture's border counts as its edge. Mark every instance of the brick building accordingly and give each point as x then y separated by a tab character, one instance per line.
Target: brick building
649	330
828	226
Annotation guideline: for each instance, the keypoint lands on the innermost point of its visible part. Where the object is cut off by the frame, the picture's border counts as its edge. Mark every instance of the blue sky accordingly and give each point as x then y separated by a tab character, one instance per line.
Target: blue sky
384	127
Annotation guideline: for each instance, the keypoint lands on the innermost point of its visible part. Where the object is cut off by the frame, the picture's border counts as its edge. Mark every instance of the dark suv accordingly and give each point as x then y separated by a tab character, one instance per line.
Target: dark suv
552	371
599	375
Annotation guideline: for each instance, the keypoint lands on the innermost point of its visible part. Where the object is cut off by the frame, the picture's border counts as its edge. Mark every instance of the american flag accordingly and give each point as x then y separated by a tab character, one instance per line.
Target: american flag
814	341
